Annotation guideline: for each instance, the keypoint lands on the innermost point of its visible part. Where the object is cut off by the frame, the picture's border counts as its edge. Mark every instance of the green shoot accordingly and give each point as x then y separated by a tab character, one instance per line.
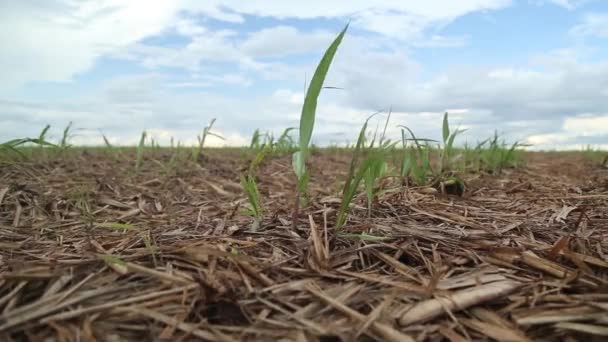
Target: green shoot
13	146
116	226
171	165
255	140
285	142
111	260
42	137
203	137
364	237
377	166
354	177
447	150
307	117
498	155
63	144
106	142
253	195
140	151
416	162
251	189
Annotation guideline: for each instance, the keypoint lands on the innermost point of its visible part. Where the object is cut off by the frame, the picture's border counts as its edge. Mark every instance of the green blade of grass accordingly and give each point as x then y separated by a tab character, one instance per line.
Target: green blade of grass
364	237
116	226
66	136
354	177
446	128
307	117
140	151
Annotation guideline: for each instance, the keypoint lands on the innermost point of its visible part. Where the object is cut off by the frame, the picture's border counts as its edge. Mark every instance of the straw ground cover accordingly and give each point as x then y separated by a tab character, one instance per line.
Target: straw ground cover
397	240
522	255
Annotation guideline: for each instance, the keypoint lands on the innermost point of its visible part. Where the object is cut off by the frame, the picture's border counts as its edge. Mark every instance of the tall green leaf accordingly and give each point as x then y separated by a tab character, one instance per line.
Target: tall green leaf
446	128
307	117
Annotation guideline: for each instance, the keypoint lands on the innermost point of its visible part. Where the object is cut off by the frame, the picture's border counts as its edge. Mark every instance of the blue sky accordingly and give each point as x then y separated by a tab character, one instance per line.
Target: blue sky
535	70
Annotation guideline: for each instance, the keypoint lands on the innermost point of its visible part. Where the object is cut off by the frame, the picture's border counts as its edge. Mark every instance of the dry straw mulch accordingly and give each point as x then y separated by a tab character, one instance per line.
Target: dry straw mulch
521	257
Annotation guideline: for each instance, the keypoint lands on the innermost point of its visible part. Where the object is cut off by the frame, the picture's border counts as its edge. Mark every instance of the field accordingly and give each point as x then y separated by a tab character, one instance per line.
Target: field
388	239
95	249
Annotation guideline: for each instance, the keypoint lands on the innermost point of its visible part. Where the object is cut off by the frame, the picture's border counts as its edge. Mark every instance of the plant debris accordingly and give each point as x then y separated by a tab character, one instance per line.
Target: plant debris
92	250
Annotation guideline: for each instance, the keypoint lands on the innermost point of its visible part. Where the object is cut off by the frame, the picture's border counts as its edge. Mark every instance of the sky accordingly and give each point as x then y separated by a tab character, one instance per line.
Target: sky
534	71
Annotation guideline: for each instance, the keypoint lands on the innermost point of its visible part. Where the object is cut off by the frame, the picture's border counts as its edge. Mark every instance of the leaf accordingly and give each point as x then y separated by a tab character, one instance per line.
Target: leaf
112	260
307	118
116	226
44	132
446	128
298	164
365	237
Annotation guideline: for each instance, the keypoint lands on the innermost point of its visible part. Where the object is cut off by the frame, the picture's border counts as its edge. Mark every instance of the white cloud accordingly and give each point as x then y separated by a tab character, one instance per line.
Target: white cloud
212	46
397	19
436	10
526	92
59	39
189	27
55	41
576	132
283	40
568	4
593	24
225	46
124	106
587	125
443	41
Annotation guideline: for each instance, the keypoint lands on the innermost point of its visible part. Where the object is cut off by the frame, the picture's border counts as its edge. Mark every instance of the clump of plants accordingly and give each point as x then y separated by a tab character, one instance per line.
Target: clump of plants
284	144
417	166
15	148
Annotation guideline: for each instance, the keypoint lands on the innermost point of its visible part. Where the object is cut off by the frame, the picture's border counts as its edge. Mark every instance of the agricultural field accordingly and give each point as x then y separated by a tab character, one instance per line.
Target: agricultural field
388	239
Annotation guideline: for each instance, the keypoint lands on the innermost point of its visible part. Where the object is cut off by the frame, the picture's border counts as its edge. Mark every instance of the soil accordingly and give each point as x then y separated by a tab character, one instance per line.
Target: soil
91	250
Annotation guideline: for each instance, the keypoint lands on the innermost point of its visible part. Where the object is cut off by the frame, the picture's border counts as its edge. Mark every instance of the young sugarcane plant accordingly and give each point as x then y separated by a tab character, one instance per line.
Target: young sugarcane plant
140	151
202	138
416	162
377	156
251	189
13	146
307	122
64	143
354	177
253	195
445	179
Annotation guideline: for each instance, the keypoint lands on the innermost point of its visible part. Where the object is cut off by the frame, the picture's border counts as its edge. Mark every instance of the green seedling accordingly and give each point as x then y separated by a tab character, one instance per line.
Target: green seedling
171	165
416	162
253	195
111	260
378	166
364	237
498	155
251	189
307	119
202	138
140	151
285	143
64	143
13	146
255	139
447	150
356	173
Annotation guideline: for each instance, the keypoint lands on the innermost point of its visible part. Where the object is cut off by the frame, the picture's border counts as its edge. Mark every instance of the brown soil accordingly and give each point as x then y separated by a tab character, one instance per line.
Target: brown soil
521	256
